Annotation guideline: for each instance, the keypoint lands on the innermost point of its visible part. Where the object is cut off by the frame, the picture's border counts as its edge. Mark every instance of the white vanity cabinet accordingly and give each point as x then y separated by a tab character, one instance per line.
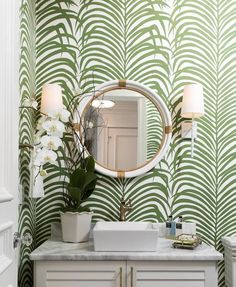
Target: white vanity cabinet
124	274
58	264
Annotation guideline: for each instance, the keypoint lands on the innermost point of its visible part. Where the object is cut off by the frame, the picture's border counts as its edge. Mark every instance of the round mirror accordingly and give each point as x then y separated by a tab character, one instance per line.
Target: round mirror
125	126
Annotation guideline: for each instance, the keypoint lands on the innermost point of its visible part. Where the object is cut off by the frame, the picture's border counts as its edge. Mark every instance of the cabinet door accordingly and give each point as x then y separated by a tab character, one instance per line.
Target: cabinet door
171	274
80	273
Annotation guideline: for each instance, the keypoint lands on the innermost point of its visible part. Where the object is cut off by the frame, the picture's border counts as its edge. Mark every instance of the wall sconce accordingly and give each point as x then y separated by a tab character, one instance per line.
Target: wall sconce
51	99
193	108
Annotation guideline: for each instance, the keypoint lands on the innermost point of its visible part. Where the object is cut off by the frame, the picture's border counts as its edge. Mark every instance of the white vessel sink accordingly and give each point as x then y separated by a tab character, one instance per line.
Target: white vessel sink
125	236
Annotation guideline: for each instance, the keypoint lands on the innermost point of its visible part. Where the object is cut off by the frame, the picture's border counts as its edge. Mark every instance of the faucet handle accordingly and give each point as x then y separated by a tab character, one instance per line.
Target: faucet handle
122	200
129	203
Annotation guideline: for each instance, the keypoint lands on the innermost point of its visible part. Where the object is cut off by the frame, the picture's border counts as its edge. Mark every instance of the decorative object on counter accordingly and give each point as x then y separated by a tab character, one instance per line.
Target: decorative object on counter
75	226
179	226
55	131
170	228
173	228
75	218
193	108
187	241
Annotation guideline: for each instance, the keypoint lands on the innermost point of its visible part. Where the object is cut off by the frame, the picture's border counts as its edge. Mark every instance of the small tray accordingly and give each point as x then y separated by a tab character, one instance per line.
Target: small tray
187	241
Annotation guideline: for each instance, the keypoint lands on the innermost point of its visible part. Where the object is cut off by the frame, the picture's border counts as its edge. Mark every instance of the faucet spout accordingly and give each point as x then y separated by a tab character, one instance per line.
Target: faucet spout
124	208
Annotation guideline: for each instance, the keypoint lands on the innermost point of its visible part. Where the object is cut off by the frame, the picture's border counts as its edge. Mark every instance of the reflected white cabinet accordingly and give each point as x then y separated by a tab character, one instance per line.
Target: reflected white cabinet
125	274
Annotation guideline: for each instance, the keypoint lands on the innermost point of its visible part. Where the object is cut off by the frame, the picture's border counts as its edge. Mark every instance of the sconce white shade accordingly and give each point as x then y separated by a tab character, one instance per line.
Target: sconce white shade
193	102
51	99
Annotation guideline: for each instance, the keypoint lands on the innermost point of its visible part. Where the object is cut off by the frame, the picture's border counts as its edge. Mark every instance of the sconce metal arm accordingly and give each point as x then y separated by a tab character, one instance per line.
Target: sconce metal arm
22	146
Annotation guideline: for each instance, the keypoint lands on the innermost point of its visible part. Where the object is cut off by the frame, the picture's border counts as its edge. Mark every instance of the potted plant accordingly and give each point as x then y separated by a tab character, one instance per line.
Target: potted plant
76	218
57	143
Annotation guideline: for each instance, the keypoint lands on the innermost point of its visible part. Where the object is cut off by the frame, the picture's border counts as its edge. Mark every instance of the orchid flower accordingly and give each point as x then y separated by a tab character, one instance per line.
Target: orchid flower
47	139
51	142
44	156
54	128
40	122
62	115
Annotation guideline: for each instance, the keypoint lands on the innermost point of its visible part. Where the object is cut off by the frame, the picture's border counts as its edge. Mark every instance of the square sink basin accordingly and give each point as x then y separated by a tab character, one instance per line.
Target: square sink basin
125	236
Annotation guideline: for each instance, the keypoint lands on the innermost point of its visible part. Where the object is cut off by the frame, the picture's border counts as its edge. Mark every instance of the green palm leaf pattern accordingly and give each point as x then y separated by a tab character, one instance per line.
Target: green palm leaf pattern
163	44
112	48
26	127
154	130
56	62
49	28
205	39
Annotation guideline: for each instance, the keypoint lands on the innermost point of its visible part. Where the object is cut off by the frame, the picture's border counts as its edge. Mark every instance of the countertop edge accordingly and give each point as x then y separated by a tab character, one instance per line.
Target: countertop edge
123	258
59	251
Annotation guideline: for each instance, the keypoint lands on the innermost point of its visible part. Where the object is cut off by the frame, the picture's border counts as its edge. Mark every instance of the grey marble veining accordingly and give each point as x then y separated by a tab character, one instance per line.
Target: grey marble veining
57	250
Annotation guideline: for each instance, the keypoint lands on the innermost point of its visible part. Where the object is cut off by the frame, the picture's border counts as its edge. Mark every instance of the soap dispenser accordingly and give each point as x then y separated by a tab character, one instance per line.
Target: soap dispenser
179	226
168	226
173	229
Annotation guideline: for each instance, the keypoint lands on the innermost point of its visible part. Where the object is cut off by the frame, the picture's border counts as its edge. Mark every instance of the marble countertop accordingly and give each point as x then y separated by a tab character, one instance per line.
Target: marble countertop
58	250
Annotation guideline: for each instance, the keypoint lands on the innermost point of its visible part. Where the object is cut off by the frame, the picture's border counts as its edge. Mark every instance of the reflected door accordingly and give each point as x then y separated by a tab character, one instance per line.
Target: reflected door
122	148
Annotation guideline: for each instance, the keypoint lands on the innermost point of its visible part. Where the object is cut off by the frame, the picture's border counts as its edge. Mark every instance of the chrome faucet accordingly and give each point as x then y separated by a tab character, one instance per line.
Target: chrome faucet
124	207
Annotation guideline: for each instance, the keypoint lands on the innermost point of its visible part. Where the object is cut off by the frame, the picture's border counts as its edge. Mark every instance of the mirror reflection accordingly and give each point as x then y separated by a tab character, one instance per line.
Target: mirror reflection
124	129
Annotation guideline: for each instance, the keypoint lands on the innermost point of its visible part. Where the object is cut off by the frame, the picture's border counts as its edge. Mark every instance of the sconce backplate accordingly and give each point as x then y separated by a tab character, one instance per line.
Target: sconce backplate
189	130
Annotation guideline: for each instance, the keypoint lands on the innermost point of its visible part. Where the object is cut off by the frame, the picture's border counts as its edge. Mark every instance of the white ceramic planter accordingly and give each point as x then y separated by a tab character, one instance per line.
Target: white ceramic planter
76	226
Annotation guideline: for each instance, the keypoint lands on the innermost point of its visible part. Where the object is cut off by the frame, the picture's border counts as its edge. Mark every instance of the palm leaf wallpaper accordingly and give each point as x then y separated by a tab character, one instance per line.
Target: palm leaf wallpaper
163	44
27	87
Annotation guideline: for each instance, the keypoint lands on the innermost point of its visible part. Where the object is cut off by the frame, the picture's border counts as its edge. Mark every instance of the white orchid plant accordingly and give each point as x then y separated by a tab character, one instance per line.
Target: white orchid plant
48	138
